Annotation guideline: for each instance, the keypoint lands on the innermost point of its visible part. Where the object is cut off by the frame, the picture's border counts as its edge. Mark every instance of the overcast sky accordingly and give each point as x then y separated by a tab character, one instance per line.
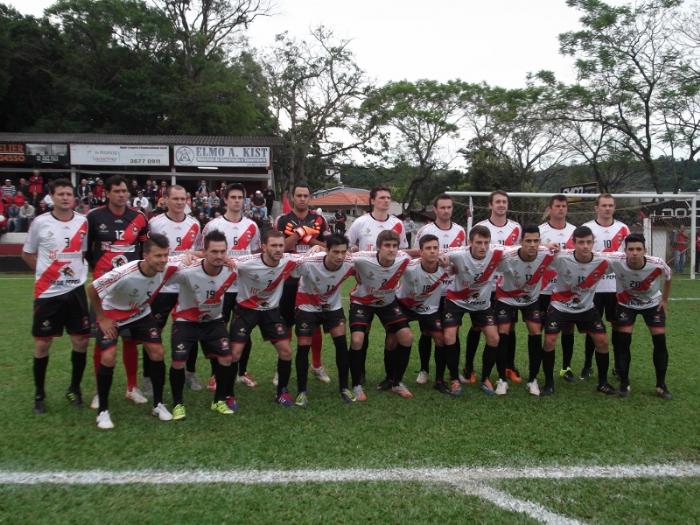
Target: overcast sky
497	41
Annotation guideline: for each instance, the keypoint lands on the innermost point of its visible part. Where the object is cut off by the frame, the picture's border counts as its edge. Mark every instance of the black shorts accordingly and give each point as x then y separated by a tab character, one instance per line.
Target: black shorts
452	316
429	324
272	326
144	330
162	305
606	303
288	300
307	323
212	335
505	313
513	312
390	315
545	300
68	310
588	321
653	317
229	308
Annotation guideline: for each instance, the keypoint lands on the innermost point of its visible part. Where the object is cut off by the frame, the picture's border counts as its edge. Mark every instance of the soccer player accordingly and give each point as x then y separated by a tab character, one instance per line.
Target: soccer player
505	232
121	299
243	238
378	274
182	231
318	304
557	229
638	278
471	292
420	294
578	272
115	236
198	319
608	234
54	250
449	235
303	229
523	271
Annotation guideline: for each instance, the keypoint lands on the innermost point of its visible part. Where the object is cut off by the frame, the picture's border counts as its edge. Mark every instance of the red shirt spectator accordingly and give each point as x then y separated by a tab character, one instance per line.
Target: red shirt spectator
19	199
36	183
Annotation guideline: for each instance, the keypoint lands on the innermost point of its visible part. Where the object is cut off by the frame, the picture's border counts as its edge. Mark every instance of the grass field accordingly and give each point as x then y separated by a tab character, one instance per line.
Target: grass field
576	427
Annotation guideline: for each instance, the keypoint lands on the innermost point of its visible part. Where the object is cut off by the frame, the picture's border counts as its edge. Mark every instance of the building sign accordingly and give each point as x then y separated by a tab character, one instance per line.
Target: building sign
586	187
119	155
228	156
34	154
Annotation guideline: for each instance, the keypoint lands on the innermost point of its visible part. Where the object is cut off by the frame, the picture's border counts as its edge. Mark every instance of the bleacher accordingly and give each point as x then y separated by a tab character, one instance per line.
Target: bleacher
11	252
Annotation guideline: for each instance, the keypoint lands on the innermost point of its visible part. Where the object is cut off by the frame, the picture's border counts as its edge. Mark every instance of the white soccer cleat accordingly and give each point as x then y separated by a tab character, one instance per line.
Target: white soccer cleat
247	380
95	403
533	388
320	374
147	387
359	393
161	412
104	422
275	379
192	381
402	391
501	387
136	396
422	378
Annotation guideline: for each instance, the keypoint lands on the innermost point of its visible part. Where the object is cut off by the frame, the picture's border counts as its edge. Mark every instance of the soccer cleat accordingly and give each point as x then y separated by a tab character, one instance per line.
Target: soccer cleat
104	422
275	379
179	412
456	389
161	412
136	396
501	387
302	400
533	388
147	387
359	393
95	403
320	374
586	372
232	403
39	406
384	385
663	393
441	387
487	387
220	407
192	381
284	399
74	398
513	375
401	390
467	377
567	374
422	378
346	396
247	380
211	384
607	389
624	391
548	390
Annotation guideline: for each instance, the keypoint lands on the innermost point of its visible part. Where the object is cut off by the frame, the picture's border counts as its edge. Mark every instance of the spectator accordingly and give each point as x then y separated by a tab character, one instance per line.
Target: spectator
188	204
679	243
409	227
221	192
258	205
8	191
23	186
150	192
214	203
35	198
26	214
42	208
203	189
203	219
3	218
48	200
161	206
14	223
19	199
162	190
141	203
83	189
99	191
269	195
36	183
340	221
134	188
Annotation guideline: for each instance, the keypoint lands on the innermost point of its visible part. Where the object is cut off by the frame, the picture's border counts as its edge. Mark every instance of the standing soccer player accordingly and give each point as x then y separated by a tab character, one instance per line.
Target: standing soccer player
121	299
608	234
54	249
578	272
558	230
638	278
115	235
449	235
198	319
318	304
182	231
243	238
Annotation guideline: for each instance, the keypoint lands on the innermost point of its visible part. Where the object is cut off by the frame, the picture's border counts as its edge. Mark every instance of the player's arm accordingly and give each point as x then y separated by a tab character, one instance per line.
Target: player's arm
31	246
413	253
29	259
107	325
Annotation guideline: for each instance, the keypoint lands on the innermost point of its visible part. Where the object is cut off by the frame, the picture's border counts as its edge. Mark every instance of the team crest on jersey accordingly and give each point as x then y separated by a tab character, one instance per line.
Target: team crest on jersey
67	271
119	260
135	229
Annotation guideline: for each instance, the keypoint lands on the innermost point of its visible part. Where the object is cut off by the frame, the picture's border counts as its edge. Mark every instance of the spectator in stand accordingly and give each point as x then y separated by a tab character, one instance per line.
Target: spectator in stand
26	214
258	206
36	183
48	201
141	203
162	190
14	223
83	189
99	192
221	192
42	208
409	227
19	199
214	203
8	191
203	189
161	206
269	195
150	192
680	247
340	221
3	218
134	188
188	204
203	219
23	186
34	198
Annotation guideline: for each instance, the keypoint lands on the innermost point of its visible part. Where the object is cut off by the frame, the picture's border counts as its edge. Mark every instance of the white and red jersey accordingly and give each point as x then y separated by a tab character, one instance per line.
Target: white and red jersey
182	236
452	237
564	237
319	287
608	239
377	284
420	290
576	281
506	235
59	247
364	230
260	285
242	237
126	292
474	278
639	289
201	296
523	281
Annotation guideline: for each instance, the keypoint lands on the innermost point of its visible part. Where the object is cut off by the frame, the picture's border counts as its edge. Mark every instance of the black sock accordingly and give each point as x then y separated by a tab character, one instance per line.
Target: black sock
590	350
660	359
158	380
567	347
146	363
177	384
363	355
403	357
623	356
388	366
451	353
245	355
356	367
284	370
489	360
234	375
77	360
342	360
615	343
424	344
223	380
302	367
213	364
511	350
502	355
440	363
602	361
548	368
104	384
191	364
40	365
473	337
534	354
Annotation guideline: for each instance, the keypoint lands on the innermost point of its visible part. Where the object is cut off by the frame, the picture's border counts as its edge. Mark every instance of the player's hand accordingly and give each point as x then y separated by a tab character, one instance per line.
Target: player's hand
313	232
108	327
315	249
188	258
354	249
553	247
230	263
444	261
663	307
304	237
